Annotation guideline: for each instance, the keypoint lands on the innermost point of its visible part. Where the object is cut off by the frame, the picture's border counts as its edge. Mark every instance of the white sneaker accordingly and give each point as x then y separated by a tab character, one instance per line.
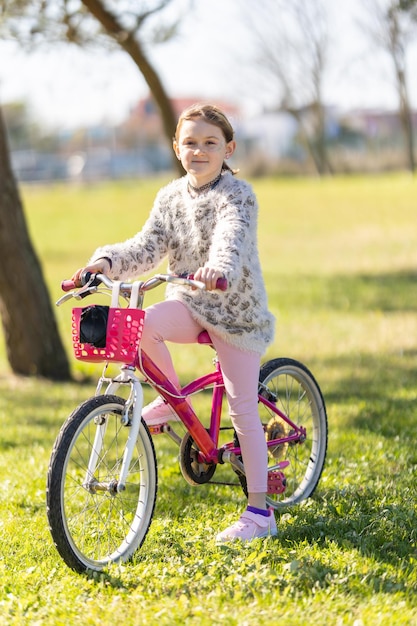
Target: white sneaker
250	526
158	413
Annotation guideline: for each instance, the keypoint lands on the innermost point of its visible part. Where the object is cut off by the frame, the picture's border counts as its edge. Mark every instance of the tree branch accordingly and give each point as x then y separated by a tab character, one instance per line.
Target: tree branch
129	42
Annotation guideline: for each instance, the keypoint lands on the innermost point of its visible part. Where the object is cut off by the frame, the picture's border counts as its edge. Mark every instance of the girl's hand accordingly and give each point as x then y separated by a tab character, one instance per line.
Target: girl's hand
101	266
208	276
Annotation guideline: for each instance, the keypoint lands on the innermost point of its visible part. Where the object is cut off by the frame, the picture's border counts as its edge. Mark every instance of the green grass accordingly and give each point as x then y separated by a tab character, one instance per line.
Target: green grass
340	261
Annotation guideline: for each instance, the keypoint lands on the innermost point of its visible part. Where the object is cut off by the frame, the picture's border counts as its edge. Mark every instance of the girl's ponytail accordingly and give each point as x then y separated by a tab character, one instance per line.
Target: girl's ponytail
227	168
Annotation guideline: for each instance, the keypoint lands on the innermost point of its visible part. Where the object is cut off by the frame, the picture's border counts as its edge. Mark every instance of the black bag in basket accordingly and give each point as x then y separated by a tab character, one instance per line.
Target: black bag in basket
93	325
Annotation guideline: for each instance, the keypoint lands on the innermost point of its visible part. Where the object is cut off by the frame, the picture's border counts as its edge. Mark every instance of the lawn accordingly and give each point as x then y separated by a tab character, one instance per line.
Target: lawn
340	263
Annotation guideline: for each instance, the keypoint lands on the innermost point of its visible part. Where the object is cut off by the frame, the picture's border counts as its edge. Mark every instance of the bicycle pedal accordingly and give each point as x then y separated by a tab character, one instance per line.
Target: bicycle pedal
277	482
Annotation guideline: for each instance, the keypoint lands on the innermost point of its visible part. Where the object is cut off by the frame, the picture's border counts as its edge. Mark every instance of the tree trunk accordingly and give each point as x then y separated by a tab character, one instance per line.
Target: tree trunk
396	47
406	120
315	145
320	139
132	46
32	341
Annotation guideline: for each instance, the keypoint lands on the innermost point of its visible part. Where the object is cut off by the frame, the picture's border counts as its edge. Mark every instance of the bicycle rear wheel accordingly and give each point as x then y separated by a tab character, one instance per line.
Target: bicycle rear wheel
293	389
92	524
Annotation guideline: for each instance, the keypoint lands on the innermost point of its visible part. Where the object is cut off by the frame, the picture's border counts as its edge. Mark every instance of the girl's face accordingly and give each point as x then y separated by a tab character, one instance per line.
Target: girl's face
202	148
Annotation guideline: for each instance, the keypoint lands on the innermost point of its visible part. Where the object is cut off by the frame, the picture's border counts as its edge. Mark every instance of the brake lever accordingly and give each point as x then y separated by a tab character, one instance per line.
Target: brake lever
86	291
64	298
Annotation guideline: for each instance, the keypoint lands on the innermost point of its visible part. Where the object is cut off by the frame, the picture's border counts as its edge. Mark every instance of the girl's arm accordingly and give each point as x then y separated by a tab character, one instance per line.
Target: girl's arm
236	225
140	253
101	266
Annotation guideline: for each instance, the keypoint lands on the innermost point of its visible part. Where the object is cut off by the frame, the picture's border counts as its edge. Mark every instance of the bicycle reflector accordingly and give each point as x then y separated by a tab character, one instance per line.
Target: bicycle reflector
93	325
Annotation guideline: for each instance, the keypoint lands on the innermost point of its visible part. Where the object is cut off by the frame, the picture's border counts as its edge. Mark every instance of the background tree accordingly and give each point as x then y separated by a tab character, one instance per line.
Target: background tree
291	41
409	5
391	29
132	25
32	341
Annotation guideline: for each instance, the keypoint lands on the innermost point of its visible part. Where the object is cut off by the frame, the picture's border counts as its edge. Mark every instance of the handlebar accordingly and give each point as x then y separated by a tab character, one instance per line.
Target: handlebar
96	279
90	282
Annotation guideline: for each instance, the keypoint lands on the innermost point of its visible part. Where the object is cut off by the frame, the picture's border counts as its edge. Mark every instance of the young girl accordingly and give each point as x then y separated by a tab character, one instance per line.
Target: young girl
206	224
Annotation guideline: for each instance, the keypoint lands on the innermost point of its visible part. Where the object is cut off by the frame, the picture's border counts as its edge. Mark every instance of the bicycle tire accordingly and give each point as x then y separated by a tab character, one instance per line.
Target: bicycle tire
93	529
297	395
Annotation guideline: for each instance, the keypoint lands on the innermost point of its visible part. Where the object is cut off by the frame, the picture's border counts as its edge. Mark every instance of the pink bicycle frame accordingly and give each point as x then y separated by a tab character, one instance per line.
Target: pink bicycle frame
206	440
176	398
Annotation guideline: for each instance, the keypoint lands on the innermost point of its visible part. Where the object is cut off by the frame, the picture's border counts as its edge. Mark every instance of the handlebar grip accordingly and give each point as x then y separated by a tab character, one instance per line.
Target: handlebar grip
67	285
221	284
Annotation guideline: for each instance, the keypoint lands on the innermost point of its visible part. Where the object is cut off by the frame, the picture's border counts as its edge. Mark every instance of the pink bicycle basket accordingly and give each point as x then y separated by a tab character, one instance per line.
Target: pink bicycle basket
123	335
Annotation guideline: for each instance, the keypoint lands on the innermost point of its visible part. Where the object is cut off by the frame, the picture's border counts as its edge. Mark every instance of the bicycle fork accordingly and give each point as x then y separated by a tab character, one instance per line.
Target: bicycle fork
130	418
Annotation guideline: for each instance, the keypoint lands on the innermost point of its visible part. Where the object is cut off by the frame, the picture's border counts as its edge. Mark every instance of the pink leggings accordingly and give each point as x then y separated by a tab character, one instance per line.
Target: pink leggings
171	321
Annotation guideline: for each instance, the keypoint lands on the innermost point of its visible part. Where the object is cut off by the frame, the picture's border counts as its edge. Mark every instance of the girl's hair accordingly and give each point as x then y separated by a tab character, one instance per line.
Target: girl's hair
212	115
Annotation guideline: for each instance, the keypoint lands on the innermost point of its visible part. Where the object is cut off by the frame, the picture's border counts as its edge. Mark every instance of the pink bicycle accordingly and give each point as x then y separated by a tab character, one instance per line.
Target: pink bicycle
102	477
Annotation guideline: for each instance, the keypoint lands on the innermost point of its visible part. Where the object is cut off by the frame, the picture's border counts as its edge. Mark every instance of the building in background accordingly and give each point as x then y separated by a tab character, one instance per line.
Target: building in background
268	143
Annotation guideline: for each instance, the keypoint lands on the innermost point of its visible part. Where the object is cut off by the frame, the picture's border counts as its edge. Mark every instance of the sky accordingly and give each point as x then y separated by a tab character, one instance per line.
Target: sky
67	87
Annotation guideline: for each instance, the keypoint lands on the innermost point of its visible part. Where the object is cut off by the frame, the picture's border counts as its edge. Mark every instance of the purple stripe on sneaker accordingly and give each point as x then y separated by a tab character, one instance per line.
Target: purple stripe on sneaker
264	512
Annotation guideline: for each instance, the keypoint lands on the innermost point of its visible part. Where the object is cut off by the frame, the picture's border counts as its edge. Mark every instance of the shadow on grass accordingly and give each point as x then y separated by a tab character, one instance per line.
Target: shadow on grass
333	528
380	391
359	519
33	410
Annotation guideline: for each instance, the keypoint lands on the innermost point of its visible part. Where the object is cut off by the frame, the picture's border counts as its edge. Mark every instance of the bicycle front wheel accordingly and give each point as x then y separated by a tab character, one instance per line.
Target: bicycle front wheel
293	389
91	522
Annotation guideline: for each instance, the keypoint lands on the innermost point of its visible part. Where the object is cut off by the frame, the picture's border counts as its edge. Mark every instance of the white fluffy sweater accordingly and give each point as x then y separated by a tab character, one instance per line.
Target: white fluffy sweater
217	229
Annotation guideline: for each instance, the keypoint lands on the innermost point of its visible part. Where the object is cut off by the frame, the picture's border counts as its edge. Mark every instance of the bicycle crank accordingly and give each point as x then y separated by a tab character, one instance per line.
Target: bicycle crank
192	468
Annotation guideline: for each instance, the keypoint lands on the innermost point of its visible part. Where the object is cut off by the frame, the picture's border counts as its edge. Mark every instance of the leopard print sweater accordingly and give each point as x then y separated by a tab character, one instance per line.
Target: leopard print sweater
217	229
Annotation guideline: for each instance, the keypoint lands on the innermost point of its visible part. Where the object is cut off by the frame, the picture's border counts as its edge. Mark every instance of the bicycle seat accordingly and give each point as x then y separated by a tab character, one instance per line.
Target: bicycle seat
204	338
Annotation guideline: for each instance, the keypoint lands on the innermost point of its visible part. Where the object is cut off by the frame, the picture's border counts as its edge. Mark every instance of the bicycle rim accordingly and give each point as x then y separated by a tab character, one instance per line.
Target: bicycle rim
298	396
92	528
